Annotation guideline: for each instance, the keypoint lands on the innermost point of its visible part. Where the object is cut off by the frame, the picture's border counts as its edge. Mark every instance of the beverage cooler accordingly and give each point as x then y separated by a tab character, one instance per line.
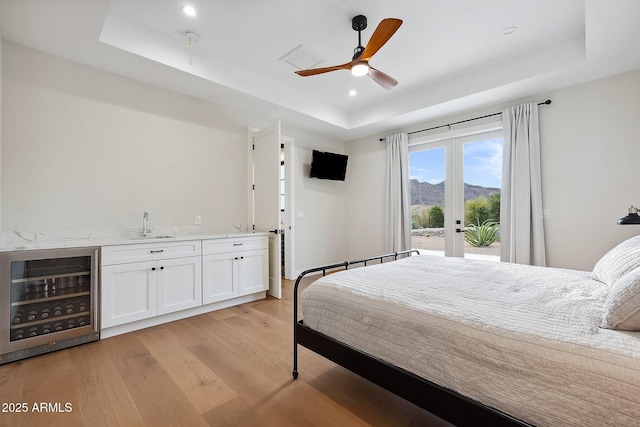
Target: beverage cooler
48	301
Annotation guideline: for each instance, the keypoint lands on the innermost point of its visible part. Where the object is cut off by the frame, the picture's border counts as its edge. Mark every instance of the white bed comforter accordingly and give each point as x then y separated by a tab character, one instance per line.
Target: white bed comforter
525	340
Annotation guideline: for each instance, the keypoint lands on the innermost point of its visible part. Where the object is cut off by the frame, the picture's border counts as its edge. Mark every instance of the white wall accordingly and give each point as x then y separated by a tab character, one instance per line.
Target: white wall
83	148
590	139
590	152
365	195
87	148
321	236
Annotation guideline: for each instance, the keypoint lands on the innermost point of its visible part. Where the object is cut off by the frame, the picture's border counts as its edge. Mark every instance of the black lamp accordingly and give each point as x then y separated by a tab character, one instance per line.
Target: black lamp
632	218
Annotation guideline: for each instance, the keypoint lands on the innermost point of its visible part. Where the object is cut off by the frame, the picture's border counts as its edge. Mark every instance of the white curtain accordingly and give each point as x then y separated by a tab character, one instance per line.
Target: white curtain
397	236
521	226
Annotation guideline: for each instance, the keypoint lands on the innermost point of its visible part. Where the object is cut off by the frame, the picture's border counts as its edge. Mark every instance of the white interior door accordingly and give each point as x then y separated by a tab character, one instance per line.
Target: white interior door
289	208
266	198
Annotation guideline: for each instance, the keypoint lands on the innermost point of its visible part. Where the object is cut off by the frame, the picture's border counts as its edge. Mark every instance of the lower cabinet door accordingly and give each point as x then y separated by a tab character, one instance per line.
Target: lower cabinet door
219	277
129	293
179	284
254	271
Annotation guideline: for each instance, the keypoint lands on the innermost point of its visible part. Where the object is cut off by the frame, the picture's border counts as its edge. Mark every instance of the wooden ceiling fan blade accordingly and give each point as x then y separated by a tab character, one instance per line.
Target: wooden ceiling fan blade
381	35
382	79
314	71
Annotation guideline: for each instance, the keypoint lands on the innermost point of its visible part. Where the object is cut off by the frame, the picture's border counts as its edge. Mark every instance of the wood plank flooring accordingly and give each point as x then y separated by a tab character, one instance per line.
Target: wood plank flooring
226	368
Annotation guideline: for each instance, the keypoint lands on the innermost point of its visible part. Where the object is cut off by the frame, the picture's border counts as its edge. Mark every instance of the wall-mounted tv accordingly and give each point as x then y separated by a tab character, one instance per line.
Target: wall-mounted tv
328	166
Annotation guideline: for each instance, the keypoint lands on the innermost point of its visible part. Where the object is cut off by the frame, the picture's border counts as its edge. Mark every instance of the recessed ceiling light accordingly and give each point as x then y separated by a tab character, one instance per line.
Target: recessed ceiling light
509	30
189	10
352	92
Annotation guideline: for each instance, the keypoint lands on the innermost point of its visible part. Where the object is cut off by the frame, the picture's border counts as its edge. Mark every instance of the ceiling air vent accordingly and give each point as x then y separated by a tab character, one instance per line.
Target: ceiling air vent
302	58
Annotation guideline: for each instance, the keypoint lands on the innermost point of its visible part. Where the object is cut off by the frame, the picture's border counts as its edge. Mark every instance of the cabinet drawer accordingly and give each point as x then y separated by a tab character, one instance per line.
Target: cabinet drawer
234	244
121	254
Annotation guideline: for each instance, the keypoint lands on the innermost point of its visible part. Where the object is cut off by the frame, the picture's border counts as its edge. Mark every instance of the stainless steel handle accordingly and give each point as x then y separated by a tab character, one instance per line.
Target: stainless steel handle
94	297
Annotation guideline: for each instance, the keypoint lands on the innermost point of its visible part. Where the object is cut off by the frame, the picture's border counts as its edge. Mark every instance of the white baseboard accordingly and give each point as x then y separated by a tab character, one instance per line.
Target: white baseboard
183	314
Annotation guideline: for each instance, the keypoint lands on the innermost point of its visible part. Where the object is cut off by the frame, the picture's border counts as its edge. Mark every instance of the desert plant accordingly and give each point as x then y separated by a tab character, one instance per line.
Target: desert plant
481	235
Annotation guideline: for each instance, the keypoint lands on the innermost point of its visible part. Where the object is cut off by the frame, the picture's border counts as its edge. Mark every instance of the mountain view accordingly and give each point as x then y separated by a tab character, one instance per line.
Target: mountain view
426	194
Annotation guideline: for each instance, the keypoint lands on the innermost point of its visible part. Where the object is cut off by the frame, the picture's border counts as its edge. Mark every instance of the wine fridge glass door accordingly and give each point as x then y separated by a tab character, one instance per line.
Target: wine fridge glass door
50	300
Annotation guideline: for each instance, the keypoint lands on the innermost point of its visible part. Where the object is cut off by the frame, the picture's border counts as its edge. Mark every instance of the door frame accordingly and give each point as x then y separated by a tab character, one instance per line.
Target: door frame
289	206
288	218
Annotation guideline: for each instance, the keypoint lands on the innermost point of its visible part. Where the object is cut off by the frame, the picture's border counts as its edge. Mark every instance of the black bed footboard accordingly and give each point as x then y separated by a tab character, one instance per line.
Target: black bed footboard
438	400
344	265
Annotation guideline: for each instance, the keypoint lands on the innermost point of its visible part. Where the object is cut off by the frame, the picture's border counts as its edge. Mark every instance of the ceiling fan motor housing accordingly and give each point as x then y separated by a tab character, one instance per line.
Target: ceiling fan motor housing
358	23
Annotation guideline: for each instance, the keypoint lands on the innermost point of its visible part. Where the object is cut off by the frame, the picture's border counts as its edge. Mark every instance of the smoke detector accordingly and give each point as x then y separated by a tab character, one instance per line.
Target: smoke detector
192	38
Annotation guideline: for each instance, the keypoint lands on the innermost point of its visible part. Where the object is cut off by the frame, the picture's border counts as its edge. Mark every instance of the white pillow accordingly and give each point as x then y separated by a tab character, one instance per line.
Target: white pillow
618	261
622	306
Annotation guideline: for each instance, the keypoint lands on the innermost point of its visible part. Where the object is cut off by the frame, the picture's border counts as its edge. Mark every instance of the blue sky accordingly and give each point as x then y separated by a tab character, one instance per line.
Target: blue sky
482	164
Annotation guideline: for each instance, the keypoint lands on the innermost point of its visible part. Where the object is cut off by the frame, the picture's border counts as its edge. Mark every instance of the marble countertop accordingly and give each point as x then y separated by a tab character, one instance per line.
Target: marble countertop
11	241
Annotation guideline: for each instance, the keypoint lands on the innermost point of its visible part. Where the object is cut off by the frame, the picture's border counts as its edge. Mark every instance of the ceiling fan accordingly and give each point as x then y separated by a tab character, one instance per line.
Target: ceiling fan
359	65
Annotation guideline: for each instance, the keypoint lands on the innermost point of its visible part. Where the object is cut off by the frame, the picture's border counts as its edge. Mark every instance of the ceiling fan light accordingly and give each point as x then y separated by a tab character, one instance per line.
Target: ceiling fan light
360	69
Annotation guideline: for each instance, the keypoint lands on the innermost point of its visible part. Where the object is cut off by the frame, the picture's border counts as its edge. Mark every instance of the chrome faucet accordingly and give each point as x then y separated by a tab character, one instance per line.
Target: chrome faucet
145	224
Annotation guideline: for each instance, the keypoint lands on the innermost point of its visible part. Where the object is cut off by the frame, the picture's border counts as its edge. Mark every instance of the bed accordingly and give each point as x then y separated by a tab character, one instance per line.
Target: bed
485	343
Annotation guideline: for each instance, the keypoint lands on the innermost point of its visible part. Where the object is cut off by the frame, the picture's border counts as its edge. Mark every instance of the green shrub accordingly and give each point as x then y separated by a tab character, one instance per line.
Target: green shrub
481	209
432	217
436	217
481	235
494	207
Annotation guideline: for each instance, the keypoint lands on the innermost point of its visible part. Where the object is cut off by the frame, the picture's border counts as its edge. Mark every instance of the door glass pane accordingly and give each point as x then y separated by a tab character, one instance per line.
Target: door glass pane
427	187
482	172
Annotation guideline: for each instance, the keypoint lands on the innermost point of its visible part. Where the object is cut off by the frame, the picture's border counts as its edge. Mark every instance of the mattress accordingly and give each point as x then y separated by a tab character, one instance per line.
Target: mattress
525	340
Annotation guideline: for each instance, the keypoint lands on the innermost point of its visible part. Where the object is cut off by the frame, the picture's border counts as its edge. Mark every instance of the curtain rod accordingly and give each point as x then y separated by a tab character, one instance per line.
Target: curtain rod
547	102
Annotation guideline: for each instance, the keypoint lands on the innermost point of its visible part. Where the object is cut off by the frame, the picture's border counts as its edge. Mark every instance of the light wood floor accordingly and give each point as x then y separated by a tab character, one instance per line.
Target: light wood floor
226	368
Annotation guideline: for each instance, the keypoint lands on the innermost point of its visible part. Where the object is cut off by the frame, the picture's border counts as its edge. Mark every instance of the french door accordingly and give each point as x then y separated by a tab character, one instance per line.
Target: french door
455	187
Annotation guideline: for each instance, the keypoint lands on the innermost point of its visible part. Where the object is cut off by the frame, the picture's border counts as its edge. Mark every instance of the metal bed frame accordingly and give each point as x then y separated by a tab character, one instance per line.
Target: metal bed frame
446	404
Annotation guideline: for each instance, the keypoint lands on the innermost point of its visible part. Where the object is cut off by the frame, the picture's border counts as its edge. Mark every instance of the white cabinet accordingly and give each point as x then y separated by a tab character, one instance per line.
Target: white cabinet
234	267
253	271
145	280
179	284
218	274
146	284
129	293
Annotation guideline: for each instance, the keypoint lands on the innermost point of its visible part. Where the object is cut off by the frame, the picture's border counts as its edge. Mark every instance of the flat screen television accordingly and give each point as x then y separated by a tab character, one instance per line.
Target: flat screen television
328	165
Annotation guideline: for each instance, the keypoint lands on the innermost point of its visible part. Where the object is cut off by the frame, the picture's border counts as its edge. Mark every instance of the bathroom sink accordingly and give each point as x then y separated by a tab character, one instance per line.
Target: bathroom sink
151	237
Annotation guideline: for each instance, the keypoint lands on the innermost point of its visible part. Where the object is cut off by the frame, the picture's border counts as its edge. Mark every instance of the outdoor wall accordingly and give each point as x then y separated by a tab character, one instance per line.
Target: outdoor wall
589	147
